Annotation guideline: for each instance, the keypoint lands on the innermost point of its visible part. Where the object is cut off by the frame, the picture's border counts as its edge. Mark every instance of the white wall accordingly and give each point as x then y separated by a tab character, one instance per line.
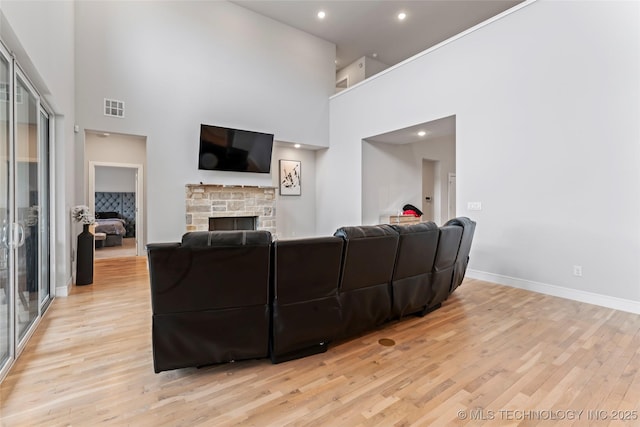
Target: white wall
41	35
179	64
392	176
115	179
547	102
390	180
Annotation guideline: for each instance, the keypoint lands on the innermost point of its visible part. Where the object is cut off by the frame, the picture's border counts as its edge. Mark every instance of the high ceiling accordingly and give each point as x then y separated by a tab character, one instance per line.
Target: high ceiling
372	28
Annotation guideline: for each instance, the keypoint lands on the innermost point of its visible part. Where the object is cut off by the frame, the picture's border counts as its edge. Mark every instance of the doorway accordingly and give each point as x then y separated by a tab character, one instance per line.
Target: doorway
114	173
429	189
115	195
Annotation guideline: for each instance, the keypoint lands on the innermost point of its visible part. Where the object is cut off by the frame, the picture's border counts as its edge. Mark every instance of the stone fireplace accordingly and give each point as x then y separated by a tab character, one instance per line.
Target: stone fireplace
232	205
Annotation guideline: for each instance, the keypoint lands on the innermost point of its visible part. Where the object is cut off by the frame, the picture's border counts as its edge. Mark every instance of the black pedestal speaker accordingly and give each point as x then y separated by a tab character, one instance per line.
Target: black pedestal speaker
84	263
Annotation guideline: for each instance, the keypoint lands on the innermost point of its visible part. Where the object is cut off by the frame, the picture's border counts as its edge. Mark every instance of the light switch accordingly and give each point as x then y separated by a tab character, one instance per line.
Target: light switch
474	206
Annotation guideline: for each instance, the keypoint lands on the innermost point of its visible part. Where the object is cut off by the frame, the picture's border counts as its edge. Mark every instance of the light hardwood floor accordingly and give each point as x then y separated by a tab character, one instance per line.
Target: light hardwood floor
128	248
492	354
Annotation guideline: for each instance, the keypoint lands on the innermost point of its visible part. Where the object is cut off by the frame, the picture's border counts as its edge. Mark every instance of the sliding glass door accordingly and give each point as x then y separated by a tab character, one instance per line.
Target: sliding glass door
26	205
24	210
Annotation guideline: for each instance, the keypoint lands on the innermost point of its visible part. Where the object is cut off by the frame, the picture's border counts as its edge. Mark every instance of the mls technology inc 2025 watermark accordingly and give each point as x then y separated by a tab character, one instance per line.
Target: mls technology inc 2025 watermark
481	414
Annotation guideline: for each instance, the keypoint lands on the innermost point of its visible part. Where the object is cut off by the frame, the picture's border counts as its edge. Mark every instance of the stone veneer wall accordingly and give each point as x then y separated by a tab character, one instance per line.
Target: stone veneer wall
210	201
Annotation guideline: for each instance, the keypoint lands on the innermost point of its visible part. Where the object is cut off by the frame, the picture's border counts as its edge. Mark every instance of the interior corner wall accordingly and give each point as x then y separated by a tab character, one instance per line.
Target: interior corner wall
354	72
41	36
177	65
390	179
373	66
296	215
547	101
443	151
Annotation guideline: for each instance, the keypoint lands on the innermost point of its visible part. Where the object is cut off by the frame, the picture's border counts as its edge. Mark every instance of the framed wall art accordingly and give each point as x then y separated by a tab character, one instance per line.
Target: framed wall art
290	183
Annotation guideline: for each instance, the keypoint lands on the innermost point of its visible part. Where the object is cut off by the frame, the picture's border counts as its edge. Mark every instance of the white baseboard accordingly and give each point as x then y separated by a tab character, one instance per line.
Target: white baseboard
63	291
558	291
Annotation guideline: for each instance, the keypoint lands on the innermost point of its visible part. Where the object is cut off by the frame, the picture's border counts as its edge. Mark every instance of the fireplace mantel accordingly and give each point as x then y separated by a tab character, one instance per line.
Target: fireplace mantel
204	201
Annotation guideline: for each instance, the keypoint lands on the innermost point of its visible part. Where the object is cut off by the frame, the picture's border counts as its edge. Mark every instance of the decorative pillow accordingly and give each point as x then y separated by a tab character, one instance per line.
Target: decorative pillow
107	215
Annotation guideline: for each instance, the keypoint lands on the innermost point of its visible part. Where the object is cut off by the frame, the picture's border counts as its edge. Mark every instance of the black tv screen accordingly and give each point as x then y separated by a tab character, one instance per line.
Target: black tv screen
226	149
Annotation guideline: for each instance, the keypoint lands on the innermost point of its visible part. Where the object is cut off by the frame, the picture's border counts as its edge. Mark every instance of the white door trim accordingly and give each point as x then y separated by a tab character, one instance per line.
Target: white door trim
451	198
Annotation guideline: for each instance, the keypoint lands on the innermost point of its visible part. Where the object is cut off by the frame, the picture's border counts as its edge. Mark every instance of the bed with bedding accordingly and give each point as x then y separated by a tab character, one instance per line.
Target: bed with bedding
113	226
115	216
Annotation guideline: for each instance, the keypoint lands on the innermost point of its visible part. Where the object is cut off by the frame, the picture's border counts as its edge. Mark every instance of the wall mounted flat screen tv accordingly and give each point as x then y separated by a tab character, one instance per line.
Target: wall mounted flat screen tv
226	149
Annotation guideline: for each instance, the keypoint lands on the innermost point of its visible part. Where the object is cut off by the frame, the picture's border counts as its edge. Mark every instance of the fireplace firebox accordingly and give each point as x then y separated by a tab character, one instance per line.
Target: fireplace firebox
233	223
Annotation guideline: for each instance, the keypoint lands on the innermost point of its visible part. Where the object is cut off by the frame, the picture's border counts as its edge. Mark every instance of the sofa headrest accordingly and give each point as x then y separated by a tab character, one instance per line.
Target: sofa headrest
308	241
365	231
204	239
416	228
461	221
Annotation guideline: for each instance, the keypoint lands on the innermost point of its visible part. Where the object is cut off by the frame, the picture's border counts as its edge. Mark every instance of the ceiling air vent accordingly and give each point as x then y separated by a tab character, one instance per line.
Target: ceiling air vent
113	108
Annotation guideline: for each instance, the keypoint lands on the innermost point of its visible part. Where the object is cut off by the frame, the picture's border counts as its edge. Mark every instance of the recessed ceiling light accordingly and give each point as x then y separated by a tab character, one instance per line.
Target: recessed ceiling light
321	14
402	16
297	145
375	55
422	133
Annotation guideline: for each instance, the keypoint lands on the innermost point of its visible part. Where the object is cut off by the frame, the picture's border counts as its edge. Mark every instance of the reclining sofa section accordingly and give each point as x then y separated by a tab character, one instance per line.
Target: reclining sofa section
306	306
210	298
233	295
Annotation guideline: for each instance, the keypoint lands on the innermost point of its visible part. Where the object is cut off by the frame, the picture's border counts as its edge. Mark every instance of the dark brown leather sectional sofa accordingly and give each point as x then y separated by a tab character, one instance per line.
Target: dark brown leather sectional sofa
232	295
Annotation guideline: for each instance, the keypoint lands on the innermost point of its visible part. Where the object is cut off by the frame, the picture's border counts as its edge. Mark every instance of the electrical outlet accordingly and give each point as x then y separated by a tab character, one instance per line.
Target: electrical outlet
577	270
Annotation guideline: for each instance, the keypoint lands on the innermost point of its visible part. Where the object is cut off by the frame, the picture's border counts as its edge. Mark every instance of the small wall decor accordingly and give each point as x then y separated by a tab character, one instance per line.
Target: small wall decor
290	184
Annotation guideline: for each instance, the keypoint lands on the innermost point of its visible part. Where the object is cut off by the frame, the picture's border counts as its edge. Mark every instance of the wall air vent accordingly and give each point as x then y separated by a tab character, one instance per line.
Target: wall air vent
113	108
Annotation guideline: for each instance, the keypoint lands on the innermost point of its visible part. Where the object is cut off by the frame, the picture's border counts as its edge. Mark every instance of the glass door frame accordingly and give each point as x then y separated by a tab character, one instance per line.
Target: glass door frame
10	293
20	343
47	184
